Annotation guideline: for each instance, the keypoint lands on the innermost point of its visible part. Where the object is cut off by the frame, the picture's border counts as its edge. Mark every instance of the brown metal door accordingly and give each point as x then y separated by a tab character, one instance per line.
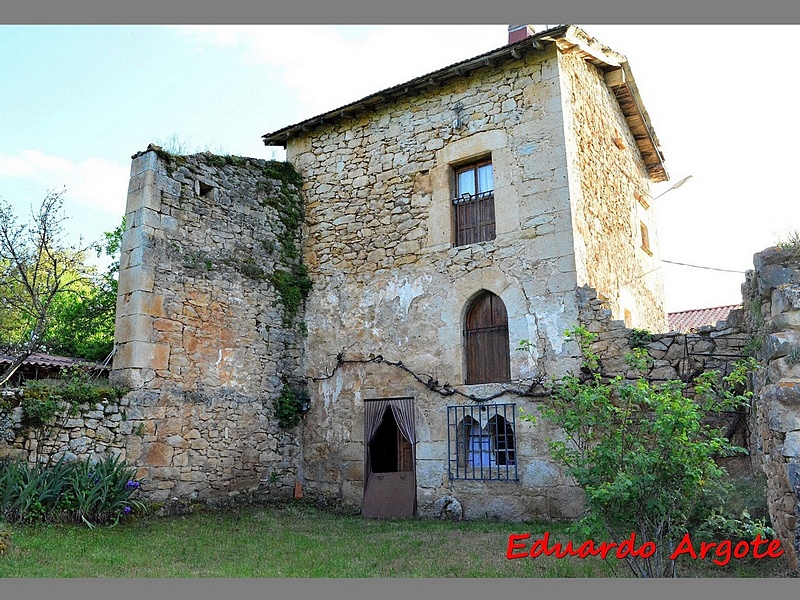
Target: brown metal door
390	482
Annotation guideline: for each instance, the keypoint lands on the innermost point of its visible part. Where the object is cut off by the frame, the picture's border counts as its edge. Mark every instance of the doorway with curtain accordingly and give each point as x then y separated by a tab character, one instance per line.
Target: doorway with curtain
390	484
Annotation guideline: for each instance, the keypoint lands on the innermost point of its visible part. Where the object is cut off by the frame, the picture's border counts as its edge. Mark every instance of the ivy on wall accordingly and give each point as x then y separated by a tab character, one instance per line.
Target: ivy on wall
291	281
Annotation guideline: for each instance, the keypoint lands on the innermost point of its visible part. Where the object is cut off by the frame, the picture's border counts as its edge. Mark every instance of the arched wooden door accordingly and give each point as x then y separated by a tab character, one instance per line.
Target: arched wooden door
486	340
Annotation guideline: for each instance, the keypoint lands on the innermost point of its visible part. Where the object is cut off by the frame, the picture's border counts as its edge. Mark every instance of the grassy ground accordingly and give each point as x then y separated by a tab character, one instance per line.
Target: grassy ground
296	540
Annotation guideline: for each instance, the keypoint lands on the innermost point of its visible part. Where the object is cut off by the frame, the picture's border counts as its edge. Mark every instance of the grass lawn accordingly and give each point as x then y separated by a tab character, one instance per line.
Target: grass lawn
297	540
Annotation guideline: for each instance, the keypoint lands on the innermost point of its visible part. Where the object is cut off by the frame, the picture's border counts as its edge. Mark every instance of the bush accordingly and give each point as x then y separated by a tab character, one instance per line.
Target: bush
643	453
287	408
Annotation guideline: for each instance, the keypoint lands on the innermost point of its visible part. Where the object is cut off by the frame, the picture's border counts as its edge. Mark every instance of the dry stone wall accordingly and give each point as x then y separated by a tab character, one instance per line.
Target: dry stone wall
674	355
772	300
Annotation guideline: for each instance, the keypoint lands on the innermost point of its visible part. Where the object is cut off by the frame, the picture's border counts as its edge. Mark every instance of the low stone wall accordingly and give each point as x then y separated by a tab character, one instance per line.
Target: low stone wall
675	355
96	431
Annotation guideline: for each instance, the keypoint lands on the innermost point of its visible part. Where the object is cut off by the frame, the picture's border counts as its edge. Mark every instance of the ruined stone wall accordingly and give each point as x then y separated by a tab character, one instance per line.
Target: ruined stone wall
201	338
610	194
674	355
388	281
204	341
772	300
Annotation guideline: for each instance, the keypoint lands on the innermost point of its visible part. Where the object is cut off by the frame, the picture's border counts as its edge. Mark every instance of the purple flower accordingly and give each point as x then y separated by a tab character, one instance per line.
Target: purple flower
132	484
127	510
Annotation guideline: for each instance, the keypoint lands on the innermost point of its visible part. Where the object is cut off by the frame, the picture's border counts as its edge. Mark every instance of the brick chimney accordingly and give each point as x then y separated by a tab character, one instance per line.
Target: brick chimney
520	32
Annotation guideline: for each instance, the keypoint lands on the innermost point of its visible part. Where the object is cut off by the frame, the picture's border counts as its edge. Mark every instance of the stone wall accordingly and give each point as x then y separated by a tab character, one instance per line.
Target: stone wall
203	339
772	299
674	355
201	329
610	193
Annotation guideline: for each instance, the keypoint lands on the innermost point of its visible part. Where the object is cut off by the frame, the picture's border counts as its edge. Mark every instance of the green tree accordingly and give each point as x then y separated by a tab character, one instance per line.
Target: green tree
36	266
82	323
644	453
50	298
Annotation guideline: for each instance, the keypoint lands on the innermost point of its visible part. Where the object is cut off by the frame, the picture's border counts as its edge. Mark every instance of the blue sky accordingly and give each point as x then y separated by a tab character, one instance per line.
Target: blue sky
78	101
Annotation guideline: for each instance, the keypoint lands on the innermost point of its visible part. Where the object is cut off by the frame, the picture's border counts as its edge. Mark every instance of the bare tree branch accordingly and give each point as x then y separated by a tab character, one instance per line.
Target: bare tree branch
36	265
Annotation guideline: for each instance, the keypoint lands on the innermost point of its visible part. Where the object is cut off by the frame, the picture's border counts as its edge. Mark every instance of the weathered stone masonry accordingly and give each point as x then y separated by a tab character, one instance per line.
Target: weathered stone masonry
771	296
202	331
199	327
389	281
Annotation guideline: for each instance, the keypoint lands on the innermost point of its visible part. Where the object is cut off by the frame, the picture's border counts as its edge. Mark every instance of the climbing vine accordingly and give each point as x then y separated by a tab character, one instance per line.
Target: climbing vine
291	280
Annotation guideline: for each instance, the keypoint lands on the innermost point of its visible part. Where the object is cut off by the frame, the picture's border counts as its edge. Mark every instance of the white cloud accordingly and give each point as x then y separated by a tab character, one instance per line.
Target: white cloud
94	183
329	66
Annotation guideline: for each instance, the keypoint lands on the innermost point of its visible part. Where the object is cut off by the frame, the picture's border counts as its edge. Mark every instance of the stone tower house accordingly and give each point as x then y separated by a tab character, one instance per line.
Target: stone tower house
447	219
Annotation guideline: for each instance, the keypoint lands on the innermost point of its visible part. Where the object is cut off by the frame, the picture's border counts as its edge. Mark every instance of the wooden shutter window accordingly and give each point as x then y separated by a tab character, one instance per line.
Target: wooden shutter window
486	340
473	203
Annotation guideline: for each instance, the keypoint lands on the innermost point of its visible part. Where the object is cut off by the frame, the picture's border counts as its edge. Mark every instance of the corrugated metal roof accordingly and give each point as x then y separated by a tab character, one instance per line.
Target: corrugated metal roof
45	360
686	320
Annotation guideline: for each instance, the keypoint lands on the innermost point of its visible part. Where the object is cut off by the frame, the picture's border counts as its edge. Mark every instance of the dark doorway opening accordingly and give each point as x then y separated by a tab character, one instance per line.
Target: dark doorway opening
389	449
390	489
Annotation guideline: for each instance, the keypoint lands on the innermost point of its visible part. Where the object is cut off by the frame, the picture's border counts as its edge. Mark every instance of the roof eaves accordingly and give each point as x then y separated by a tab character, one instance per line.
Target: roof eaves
622	83
516	50
567	37
619	78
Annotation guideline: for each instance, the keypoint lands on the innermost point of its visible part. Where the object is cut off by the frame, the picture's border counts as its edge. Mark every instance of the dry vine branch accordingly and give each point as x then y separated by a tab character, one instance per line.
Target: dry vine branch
534	388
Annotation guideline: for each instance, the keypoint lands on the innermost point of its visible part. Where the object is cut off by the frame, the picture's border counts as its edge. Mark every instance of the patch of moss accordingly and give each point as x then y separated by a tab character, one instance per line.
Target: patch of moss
284	172
250	269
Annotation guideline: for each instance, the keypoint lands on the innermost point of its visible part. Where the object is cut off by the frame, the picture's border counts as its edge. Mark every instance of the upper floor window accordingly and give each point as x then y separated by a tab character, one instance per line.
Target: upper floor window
645	238
474	203
486	340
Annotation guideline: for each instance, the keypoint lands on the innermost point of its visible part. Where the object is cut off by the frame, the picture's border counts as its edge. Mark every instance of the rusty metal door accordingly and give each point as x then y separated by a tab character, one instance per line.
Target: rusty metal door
390	487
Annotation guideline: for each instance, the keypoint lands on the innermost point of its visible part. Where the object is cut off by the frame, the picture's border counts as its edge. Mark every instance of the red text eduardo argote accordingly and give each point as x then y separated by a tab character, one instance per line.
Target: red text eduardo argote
722	551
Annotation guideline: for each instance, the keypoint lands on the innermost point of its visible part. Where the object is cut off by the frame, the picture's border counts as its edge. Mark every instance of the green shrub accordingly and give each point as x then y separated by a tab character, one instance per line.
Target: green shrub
644	454
102	492
286	408
640	338
91	492
40	402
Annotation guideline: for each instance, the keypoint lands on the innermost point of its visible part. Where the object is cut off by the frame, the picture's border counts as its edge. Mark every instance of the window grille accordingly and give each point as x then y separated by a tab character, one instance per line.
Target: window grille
481	442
